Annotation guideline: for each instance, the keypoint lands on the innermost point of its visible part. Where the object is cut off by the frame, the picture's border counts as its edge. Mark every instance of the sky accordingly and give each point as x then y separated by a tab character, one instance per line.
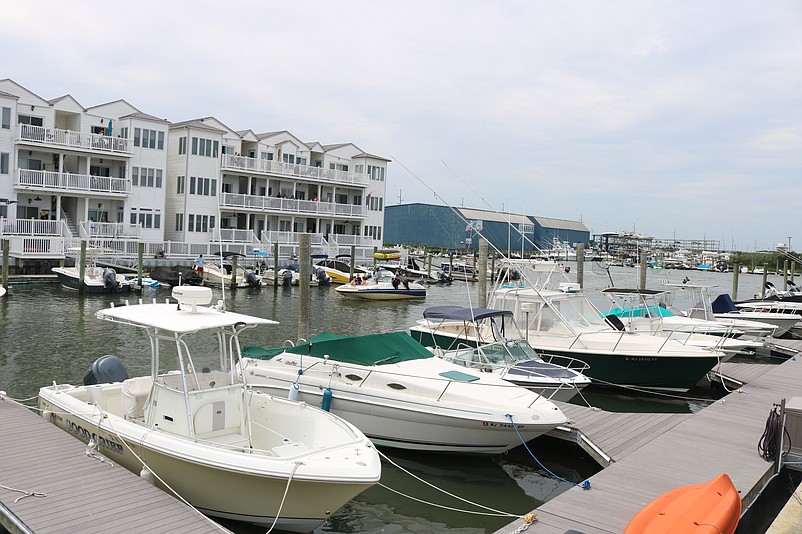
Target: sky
672	119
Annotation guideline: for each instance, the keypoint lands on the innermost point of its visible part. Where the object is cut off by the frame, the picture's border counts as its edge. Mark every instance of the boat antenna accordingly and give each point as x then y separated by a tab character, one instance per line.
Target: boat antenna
452	208
506	219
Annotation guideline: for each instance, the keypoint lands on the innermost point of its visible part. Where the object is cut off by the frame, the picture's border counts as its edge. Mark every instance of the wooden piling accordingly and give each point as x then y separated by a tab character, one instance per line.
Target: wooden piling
82	267
275	265
305	259
580	265
6	247
642	284
735	272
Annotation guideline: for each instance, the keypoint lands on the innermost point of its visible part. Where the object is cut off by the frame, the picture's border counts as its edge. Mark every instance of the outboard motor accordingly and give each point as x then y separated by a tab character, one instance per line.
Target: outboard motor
323	277
110	279
286	277
105	370
252	279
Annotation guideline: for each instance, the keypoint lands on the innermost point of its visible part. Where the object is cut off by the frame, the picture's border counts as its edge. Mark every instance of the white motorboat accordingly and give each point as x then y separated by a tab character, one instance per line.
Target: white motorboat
231	451
646	311
401	395
489	341
221	272
382	285
339	270
96	279
772	312
694	300
566	323
414	269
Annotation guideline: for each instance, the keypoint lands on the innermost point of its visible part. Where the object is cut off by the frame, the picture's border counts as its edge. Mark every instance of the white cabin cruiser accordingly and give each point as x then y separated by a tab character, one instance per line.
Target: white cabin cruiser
401	395
231	451
489	341
566	323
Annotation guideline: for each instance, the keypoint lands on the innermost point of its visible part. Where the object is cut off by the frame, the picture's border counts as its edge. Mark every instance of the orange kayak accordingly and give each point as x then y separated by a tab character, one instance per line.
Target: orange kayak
713	506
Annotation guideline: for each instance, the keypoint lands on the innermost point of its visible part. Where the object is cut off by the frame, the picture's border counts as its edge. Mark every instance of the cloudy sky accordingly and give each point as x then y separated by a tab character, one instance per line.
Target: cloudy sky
669	118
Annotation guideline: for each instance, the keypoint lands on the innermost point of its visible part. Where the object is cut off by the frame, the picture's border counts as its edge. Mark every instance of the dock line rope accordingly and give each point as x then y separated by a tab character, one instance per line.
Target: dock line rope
585	484
496	513
768	445
25	493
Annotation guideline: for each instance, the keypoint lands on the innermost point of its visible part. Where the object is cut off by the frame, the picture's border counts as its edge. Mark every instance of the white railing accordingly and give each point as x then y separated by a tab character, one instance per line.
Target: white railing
234	235
265	166
35	247
32	227
90	229
62	181
288	205
69	138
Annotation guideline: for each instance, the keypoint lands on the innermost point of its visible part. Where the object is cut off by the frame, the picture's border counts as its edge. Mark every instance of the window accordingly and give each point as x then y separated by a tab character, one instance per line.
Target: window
301	161
204	147
4	156
202	186
191	223
376	173
146	217
359	169
180	184
160	142
179	222
182	145
289	158
124	132
192	187
341	198
137	136
146	177
27	119
6	118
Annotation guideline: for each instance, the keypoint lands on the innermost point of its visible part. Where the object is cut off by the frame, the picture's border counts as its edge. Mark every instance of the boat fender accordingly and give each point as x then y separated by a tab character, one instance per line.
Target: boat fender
295	387
325	404
46	415
147	475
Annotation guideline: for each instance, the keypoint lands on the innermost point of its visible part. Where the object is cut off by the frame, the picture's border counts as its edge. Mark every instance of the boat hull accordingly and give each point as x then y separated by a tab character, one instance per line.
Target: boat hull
406	426
641	370
91	284
219	490
714	506
356	292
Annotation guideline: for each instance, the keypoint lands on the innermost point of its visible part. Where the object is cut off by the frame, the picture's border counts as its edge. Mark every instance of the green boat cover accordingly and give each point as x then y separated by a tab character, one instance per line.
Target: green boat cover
373	349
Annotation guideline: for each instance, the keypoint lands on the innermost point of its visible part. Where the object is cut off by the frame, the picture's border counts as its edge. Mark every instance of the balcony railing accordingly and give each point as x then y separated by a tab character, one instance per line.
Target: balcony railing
266	166
62	181
288	205
32	227
71	139
92	229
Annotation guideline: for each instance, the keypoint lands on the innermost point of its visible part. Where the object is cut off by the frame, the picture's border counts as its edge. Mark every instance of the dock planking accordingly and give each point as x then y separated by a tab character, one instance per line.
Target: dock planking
677	449
83	494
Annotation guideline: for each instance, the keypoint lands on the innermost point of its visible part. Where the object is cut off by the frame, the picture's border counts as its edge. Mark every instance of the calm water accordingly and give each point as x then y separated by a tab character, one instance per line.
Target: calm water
52	334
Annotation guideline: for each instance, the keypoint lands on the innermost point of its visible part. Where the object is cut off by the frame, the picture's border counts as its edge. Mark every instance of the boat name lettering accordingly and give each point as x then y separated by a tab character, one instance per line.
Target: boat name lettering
86	435
641	359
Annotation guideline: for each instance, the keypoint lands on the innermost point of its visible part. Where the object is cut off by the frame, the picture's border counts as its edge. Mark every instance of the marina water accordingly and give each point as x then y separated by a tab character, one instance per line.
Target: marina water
51	334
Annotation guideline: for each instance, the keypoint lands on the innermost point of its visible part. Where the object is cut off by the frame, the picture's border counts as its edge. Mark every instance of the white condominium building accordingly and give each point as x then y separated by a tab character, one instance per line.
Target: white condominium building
117	177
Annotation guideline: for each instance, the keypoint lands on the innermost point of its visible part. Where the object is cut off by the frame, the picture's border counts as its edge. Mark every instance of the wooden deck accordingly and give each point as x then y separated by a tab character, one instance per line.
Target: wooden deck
78	493
653	455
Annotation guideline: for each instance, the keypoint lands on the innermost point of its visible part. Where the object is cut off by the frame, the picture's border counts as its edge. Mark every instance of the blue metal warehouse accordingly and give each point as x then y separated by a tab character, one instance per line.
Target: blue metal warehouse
434	225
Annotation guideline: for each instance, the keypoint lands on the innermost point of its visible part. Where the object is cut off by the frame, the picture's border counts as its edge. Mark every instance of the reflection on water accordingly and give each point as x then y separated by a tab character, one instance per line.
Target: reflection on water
49	333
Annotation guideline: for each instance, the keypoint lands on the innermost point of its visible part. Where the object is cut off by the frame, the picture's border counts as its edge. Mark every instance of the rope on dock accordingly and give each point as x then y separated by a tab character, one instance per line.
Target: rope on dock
585	484
493	511
25	493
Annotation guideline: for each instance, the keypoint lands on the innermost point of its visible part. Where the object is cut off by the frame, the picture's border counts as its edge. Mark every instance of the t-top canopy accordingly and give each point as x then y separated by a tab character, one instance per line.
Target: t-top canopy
460	313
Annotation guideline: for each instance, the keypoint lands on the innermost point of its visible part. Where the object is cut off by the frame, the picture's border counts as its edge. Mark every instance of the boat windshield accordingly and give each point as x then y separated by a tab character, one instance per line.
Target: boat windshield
577	313
508	353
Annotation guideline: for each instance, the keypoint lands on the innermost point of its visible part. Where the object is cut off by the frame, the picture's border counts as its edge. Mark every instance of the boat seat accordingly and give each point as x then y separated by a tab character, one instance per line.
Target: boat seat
134	395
